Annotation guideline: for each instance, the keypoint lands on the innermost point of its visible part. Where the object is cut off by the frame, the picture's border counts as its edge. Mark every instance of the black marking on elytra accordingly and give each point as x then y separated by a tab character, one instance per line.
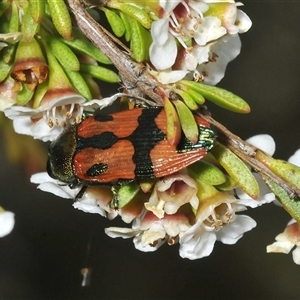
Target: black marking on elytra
103	117
97	169
143	139
105	140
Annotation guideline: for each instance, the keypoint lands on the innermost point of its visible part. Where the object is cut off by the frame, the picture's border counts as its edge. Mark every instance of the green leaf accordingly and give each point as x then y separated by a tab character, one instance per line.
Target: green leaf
29	26
82	44
79	84
173	124
140	41
100	73
4	5
237	170
61	18
37	9
114	21
206	172
126	22
228	185
283	169
63	54
292	206
188	99
133	11
219	96
25	95
4	70
187	121
126	193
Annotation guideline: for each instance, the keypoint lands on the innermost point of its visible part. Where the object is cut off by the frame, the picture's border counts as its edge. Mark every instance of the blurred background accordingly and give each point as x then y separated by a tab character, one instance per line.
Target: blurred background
43	256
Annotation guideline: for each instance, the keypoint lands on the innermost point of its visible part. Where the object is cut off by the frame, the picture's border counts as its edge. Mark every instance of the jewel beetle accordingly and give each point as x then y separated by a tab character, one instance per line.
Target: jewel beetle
127	145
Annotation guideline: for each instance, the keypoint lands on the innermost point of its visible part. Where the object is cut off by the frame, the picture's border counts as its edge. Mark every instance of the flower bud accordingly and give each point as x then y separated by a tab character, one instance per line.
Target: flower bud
30	65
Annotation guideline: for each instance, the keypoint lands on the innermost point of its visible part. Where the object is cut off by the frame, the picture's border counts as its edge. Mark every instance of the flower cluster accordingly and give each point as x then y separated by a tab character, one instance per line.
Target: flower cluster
48	70
290	238
48	73
197	38
179	208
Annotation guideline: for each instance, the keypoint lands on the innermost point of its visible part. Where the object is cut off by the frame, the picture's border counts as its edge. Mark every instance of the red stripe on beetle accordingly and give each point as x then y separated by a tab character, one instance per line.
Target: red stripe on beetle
122	124
167	160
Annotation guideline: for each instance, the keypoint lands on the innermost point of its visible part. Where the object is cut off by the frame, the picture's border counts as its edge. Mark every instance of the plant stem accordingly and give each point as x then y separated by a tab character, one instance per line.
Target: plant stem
135	76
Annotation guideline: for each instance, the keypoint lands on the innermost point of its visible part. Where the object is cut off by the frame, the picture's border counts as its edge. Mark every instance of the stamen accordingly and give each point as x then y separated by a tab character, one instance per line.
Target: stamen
171	240
78	118
186	7
191	33
69	113
198	77
179	38
216	221
53	112
47	114
50	122
173	20
213	57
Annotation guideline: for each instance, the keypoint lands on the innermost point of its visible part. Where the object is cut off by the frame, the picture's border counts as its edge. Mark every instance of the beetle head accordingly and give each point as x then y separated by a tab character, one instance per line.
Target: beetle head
60	155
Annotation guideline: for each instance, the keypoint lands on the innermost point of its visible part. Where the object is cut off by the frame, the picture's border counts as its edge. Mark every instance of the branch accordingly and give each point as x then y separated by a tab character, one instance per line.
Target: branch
135	76
248	153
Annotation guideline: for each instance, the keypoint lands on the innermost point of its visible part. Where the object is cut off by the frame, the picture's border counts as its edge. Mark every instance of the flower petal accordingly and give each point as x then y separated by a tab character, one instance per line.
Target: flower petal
223	51
197	247
89	205
263	141
280	247
125	233
295	158
163	56
137	241
296	256
231	233
244	22
7	222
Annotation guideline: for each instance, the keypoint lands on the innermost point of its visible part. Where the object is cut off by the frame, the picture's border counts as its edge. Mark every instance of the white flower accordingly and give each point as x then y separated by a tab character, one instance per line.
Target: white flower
94	200
223	51
163	50
216	220
8	93
48	120
150	232
290	238
7	222
171	192
287	240
264	142
295	158
199	37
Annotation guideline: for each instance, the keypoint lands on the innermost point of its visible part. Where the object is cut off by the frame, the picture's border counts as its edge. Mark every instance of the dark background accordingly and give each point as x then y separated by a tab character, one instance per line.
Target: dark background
43	256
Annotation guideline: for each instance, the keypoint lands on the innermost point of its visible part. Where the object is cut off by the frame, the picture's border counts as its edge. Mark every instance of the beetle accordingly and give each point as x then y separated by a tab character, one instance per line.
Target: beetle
127	145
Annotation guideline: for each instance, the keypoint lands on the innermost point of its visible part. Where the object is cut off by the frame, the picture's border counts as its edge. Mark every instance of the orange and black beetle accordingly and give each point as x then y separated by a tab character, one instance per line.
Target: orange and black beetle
129	144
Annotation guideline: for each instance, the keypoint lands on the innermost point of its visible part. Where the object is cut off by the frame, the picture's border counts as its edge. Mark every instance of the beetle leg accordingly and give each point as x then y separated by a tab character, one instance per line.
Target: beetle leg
115	190
115	199
80	193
